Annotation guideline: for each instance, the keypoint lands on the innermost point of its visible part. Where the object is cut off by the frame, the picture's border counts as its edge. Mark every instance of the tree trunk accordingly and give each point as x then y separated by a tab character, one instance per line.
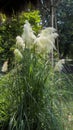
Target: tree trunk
52	25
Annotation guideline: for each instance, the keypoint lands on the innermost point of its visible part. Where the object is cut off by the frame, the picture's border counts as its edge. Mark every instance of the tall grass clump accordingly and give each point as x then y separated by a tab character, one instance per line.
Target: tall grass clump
33	82
36	91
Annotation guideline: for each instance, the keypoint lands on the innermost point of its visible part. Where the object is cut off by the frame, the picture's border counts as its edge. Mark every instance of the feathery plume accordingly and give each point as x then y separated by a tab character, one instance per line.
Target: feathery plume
28	35
18	55
47	31
45	41
59	65
5	66
20	43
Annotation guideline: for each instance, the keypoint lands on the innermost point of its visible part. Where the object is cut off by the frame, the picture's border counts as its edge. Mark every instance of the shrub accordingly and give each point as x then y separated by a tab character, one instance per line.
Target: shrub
9	29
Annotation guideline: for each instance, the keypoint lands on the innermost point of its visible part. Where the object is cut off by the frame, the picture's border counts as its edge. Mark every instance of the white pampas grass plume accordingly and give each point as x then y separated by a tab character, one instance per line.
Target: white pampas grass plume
59	65
43	45
20	43
45	42
28	35
5	66
47	31
70	117
18	55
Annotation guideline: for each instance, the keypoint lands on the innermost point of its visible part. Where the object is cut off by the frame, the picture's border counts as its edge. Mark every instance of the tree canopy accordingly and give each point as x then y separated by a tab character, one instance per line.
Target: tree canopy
13	6
65	27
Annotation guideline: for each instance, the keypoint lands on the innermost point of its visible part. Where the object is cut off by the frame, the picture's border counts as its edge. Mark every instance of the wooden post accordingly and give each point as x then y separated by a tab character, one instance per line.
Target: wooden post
57	41
53	5
52	14
52	24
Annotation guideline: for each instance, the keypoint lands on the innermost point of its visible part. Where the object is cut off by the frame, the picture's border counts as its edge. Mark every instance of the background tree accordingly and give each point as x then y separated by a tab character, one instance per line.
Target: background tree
65	26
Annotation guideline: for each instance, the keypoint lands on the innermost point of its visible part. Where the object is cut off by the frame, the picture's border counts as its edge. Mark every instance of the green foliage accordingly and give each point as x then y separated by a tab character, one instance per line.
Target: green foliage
32	96
65	26
5	104
9	29
33	18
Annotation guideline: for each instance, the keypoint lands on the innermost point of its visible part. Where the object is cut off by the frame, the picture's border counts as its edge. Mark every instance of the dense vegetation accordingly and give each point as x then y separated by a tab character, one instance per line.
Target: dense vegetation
65	26
10	28
35	94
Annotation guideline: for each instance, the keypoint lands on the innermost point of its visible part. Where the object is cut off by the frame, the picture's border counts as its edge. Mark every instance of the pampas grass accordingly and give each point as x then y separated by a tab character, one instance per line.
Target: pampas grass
44	42
18	55
28	35
35	110
36	93
20	43
5	67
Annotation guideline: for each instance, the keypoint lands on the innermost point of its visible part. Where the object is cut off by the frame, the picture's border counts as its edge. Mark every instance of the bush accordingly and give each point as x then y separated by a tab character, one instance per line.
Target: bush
9	29
33	93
